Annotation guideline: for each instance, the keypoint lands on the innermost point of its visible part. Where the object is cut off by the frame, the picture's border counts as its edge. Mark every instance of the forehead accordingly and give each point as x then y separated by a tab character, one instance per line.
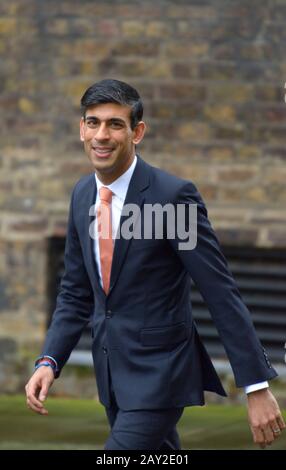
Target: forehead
107	111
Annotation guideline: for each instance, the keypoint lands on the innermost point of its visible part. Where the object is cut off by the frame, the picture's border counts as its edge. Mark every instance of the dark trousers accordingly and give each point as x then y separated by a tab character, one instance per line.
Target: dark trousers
142	429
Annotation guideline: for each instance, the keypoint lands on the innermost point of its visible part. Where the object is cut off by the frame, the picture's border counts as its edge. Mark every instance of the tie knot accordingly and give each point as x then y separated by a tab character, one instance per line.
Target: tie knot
105	194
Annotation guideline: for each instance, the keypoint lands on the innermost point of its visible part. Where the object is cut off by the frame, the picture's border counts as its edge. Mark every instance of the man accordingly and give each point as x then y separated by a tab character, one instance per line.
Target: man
149	360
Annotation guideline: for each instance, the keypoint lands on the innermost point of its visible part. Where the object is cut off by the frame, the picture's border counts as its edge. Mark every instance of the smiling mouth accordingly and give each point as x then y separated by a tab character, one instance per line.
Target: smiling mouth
102	152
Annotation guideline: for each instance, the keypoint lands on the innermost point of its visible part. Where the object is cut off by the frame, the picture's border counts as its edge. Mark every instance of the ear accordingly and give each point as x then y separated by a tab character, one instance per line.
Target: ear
81	129
139	132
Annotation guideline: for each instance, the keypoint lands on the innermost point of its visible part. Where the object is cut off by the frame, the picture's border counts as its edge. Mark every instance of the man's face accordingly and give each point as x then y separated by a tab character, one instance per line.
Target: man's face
109	140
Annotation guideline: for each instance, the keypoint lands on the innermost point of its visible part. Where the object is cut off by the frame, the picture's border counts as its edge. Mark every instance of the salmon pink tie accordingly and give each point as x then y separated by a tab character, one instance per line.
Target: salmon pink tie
105	235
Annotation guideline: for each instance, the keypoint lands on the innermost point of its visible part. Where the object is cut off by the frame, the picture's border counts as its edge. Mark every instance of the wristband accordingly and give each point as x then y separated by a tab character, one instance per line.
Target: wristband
45	363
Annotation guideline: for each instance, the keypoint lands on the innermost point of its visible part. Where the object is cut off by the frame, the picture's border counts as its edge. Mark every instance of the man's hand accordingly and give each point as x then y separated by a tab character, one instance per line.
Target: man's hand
264	415
38	387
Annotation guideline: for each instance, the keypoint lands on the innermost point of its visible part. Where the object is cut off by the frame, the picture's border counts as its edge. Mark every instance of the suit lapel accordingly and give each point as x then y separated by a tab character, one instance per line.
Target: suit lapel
139	182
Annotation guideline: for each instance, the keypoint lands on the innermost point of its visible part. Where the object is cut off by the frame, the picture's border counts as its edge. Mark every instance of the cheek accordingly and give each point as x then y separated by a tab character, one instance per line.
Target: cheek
87	146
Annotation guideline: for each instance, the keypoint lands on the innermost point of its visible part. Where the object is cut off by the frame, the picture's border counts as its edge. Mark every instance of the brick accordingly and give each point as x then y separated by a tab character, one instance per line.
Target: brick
80	48
224	51
256	194
267	134
275	152
237	175
27	106
268	113
186	70
220	113
266	92
194	12
218	71
248	151
189	111
8	26
229	92
159	109
5	186
221	152
184	92
132	28
175	49
235	132
79	168
194	130
5	302
24	225
18	8
8	347
106	27
51	188
147	10
74	90
233	195
137	48
158	29
57	26
208	191
78	9
256	52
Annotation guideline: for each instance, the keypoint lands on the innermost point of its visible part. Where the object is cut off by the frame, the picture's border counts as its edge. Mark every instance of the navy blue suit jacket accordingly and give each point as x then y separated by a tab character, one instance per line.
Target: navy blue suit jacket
144	327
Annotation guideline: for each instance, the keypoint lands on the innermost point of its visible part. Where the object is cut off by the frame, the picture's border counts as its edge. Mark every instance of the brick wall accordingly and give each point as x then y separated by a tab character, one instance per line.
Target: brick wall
211	73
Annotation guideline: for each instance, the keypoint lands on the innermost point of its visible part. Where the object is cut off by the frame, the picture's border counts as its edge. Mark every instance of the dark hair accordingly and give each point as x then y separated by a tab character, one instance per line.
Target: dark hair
114	91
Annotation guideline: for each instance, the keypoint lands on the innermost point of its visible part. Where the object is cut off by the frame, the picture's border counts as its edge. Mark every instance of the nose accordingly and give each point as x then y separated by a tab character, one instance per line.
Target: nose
102	132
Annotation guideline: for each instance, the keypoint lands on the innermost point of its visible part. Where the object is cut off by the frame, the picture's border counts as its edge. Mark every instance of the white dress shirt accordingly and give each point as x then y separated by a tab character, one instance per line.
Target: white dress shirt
119	189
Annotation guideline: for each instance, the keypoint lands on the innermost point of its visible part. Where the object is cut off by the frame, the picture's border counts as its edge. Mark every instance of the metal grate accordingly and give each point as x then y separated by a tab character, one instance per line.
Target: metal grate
261	277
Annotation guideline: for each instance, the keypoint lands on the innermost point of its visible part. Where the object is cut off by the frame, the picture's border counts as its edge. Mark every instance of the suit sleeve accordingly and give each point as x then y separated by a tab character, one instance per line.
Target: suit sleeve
75	300
208	268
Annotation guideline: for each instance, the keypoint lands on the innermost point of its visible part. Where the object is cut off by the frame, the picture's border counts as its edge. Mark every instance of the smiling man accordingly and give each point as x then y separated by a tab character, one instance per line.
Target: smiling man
109	136
149	360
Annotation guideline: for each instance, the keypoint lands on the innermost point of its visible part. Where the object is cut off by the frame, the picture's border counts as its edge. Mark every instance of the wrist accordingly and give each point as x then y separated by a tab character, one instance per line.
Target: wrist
45	364
46	361
258	393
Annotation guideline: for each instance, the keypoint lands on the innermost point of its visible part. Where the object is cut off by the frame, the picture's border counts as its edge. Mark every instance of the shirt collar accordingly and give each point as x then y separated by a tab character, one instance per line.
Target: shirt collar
119	187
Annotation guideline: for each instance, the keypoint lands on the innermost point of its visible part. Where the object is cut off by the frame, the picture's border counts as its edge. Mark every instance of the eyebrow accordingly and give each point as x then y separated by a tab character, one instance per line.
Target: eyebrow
95	118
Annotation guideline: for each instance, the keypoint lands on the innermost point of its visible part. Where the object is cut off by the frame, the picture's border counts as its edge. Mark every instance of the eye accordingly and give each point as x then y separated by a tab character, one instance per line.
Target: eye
91	123
116	124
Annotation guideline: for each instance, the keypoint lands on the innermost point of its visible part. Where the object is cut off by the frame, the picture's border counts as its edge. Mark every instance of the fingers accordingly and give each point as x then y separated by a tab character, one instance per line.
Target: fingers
35	404
266	434
36	392
281	422
269	436
277	425
258	437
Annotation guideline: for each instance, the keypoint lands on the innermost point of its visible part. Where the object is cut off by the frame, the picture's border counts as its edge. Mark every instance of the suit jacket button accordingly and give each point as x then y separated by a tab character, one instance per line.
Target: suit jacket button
104	350
109	314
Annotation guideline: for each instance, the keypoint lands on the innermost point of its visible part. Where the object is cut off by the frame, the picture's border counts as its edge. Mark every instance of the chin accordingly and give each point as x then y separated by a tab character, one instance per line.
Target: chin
107	165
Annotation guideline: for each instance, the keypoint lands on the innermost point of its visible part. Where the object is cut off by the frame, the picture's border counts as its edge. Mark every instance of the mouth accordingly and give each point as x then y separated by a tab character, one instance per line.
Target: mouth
102	152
